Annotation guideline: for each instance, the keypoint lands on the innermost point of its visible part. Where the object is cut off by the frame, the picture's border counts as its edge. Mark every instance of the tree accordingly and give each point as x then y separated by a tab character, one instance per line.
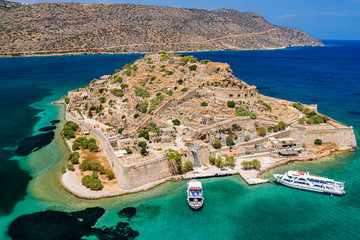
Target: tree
85	165
93	147
176	122
142	144
102	99
231	104
192	67
318	142
230	161
128	150
110	174
120	130
187	166
136	115
95	185
204	104
282	125
302	120
144	152
67	100
236	127
94	175
86	180
246	138
219	162
144	134
230	140
75	146
262	131
256	164
217	144
63	170
74	157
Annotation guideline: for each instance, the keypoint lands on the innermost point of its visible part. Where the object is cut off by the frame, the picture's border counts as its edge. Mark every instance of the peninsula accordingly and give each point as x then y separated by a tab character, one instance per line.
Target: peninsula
169	116
49	28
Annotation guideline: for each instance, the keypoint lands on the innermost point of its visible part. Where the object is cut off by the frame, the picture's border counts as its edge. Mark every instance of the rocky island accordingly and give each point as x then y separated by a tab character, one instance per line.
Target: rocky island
169	116
50	28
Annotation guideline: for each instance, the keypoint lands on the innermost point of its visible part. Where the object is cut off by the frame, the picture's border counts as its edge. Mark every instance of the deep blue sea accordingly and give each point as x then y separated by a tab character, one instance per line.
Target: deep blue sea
327	76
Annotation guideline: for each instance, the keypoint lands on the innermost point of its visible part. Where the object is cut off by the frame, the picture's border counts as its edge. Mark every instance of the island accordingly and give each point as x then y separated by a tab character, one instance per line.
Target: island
169	116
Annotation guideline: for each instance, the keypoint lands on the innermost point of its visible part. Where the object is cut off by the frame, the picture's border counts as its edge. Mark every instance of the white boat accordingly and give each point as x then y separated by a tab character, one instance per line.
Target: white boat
195	194
305	181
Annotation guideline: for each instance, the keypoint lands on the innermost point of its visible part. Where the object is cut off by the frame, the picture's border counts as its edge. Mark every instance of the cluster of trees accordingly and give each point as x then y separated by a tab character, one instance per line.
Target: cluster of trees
139	92
117	79
85	143
229	161
204	104
187	59
117	92
236	127
217	144
188	165
262	131
69	129
102	99
93	182
230	140
97	108
254	164
193	67
311	116
241	111
67	100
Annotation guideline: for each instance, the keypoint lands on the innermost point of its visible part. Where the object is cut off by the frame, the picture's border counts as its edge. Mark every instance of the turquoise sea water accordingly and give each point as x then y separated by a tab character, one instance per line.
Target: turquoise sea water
328	76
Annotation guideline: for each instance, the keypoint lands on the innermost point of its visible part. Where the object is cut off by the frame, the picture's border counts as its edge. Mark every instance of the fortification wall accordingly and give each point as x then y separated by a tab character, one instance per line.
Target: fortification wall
235	93
149	171
341	136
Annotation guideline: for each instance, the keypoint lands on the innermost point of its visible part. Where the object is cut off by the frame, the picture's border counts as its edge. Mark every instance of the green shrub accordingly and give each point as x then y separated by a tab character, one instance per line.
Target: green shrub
188	165
192	67
94	175
128	150
120	130
144	134
70	167
217	144
246	138
236	127
69	129
95	166
136	115
67	100
230	140
85	165
102	99
96	185
231	104
302	120
144	152
176	122
262	131
156	101
205	61
184	89
142	144
143	93
63	170
241	111
230	161
204	104
86	180
266	105
282	125
110	174
74	157
318	142
142	107
180	81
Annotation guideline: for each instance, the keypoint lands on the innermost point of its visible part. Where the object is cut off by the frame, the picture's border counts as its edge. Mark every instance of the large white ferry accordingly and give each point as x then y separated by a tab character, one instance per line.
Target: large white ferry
195	194
304	181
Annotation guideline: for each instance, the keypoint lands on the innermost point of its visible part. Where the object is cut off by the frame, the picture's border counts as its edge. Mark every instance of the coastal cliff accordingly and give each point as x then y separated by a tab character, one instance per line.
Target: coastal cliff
75	28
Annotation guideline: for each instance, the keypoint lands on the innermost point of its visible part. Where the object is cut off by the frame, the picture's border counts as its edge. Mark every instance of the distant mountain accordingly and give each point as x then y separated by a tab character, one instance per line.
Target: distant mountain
77	27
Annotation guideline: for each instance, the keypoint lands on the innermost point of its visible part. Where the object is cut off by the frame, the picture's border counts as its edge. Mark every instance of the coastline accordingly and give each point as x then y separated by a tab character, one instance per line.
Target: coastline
56	54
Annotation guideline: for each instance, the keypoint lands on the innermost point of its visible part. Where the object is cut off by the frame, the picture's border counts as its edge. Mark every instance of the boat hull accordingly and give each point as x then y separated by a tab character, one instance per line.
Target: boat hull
319	190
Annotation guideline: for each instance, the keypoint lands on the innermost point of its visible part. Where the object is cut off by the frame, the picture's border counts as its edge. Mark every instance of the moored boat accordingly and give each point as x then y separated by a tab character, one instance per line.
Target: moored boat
195	194
305	181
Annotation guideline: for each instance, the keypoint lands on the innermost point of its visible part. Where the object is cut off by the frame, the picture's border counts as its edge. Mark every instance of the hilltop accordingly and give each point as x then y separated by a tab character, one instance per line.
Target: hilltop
47	28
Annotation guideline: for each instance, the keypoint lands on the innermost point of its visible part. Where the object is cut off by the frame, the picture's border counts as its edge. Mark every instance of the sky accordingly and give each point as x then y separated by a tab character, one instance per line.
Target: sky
323	19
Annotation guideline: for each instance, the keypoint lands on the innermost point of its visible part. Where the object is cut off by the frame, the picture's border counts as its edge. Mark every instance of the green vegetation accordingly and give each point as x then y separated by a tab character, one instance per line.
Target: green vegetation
63	170
67	100
193	67
128	150
236	127
318	142
230	140
230	161
92	183
231	104
86	165
184	89
204	104
120	130
311	116
176	122
85	143
188	165
174	158
205	61
101	90
246	138
74	158
136	115
102	99
142	107
170	93
262	131
241	111
155	101
69	129
142	144
117	92
110	174
144	134
108	124
187	59
180	81
70	167
117	79
217	144
139	92
266	105
254	164
144	152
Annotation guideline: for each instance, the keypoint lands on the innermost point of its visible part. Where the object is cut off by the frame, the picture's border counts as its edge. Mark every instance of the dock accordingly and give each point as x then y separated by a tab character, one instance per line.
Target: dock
251	177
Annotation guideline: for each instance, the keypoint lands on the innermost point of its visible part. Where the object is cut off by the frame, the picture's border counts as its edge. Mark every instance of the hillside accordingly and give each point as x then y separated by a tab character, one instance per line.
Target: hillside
75	27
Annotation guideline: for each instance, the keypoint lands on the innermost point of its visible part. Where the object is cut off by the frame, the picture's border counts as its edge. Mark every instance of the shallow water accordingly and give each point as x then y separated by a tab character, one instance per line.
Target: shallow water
327	76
